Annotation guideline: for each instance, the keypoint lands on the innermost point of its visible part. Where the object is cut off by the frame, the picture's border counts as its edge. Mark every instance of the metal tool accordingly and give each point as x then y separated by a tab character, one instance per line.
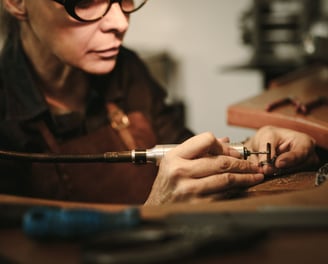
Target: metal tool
137	156
183	237
58	223
245	153
301	107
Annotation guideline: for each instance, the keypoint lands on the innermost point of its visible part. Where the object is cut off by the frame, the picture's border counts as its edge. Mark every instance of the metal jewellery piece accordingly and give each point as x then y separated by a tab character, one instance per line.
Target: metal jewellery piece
245	153
269	161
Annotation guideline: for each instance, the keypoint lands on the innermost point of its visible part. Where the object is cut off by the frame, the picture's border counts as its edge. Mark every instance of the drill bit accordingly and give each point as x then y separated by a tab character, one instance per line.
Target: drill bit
245	153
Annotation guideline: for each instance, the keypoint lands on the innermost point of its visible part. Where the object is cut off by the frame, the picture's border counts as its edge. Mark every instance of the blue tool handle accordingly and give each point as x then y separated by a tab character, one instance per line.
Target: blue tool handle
44	222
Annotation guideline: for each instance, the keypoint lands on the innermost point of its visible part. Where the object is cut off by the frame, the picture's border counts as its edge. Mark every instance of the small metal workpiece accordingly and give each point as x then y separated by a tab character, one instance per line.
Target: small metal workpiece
245	153
269	160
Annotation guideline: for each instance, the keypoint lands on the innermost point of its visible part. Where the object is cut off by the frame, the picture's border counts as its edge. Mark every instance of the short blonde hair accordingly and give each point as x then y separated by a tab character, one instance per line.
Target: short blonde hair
9	26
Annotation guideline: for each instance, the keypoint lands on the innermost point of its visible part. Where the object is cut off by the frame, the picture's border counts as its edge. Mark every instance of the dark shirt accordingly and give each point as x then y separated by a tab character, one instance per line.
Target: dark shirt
129	85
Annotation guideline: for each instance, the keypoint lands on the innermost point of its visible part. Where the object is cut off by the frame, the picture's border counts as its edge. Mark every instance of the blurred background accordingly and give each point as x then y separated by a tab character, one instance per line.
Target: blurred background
209	54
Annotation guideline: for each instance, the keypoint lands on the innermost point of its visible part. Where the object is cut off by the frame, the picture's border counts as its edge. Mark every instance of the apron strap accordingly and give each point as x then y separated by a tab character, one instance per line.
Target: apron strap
48	137
120	122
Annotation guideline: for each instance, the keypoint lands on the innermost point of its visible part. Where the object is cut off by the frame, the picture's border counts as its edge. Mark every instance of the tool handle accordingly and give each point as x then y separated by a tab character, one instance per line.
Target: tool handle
44	222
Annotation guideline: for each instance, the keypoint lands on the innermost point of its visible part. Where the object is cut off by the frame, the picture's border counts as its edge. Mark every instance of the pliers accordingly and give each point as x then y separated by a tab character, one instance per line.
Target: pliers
301	107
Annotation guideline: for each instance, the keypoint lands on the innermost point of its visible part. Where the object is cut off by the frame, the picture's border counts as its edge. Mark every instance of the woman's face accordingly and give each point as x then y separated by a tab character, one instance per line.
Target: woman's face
92	47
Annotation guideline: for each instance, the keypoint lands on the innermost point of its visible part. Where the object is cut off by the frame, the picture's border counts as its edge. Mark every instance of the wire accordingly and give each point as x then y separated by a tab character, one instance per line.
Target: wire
124	156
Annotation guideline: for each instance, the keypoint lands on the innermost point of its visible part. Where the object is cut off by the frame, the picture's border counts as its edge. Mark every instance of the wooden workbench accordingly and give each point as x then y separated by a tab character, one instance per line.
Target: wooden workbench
282	247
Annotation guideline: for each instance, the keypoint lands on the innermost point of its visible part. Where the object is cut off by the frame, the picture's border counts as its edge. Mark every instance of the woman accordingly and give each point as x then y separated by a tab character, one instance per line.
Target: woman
69	86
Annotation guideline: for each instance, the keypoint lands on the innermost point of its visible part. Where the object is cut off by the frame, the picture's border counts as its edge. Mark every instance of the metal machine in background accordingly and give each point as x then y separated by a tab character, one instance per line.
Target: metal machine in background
284	35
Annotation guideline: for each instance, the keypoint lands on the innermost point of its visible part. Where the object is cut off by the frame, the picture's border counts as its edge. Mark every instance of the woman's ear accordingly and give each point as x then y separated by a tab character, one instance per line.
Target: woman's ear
16	8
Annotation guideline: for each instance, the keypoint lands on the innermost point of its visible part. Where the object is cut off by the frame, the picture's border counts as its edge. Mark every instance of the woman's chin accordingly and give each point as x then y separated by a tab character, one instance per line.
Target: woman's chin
100	68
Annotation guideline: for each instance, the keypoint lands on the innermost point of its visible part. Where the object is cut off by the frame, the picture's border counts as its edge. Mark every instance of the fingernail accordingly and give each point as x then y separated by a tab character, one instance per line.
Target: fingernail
282	163
259	177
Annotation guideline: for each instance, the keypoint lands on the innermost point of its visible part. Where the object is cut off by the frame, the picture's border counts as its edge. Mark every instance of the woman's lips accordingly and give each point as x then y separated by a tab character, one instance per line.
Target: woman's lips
107	53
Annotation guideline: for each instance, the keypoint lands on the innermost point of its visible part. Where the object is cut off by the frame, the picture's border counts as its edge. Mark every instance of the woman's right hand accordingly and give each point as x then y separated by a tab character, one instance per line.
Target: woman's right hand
200	169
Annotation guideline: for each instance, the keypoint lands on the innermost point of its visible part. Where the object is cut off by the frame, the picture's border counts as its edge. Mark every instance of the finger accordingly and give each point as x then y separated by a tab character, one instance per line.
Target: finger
198	146
301	146
206	166
224	140
222	182
268	169
289	159
294	153
230	151
226	148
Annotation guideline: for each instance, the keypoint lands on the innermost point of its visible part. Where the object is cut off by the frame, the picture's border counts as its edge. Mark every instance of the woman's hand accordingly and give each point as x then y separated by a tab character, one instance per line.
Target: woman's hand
200	169
292	150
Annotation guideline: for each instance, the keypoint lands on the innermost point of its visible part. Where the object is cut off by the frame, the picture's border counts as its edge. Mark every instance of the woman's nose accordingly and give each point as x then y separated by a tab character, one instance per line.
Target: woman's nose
115	19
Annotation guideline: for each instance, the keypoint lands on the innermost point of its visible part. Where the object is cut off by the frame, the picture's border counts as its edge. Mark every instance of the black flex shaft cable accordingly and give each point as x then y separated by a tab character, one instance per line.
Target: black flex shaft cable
137	156
122	156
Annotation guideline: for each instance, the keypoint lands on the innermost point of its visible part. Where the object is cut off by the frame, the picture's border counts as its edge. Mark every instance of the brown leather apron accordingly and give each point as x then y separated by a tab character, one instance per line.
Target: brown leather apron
98	182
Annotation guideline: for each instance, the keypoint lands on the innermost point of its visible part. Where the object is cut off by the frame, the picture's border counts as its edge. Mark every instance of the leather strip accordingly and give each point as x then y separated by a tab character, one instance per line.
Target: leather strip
120	122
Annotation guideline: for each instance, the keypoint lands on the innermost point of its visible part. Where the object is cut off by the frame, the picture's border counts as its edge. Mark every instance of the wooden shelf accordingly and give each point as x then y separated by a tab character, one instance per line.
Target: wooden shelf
306	86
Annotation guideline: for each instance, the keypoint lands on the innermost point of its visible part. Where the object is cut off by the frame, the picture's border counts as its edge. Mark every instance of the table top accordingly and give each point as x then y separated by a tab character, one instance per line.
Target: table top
301	246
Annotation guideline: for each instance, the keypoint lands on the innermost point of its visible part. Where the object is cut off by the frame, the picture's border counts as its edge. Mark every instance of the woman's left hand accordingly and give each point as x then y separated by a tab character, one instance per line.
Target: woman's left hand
290	150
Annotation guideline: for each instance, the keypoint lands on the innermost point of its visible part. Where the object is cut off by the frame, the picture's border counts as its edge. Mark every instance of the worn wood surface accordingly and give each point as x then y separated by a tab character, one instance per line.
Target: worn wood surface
290	192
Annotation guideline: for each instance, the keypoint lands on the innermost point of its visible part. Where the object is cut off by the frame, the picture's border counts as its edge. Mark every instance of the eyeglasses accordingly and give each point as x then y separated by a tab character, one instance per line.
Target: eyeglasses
93	10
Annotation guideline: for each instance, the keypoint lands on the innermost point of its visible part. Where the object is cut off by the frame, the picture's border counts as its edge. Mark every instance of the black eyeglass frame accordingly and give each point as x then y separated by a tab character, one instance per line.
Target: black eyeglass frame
70	9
